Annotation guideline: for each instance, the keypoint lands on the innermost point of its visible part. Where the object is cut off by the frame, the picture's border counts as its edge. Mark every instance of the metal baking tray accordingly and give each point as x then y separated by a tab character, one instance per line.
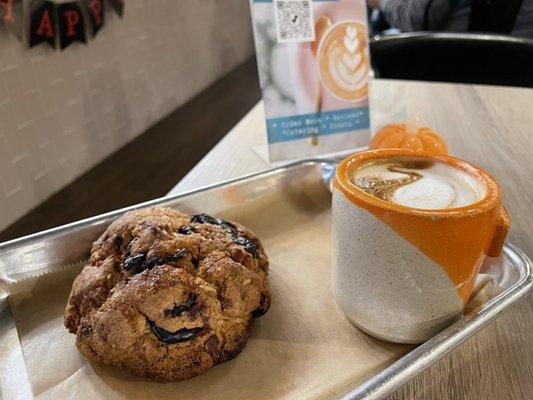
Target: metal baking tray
66	246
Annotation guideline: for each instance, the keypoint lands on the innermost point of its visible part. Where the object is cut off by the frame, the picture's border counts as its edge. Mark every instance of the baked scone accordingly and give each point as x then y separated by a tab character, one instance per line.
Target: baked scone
168	296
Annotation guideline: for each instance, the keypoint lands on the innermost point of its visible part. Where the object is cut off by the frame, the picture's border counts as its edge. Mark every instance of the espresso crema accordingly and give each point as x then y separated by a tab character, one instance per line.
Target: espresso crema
418	183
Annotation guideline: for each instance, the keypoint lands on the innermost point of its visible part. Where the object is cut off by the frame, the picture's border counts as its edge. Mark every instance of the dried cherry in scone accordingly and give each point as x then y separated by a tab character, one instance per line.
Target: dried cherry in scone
179	309
134	262
213	346
195	262
118	241
181	335
229	227
187	230
208	219
248	245
264	304
153	262
203	219
156	260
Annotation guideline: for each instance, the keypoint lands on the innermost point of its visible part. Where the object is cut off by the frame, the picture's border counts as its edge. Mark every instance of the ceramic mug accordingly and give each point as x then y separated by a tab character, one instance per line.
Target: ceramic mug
403	274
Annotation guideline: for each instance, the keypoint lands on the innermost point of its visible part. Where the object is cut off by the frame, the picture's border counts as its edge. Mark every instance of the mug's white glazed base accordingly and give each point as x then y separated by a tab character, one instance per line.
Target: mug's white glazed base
408	338
384	284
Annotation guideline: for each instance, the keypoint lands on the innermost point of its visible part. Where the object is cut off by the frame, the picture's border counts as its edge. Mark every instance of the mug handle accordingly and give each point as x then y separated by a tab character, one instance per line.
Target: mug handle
500	232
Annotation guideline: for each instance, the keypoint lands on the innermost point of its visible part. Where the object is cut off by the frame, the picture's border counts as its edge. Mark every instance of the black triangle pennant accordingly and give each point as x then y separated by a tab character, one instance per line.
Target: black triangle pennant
7	10
96	11
118	6
43	24
11	15
71	24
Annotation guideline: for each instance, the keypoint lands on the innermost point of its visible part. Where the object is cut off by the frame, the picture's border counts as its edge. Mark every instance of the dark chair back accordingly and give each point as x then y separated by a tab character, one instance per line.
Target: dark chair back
448	57
497	16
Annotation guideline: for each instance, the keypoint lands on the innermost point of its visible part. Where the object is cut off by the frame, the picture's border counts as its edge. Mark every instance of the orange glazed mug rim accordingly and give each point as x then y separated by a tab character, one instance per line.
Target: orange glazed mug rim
342	181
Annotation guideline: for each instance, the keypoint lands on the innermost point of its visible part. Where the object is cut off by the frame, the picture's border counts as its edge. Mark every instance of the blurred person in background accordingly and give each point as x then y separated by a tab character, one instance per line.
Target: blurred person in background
513	17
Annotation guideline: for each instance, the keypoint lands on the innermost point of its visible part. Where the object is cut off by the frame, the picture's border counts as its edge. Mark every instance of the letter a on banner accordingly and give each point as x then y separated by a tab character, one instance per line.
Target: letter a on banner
71	24
43	24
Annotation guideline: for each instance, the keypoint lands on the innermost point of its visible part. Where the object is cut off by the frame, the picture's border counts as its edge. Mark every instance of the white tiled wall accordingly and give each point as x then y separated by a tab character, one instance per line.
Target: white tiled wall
61	113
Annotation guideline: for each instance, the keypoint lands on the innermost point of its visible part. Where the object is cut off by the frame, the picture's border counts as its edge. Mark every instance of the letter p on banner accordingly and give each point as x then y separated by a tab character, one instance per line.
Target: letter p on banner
71	24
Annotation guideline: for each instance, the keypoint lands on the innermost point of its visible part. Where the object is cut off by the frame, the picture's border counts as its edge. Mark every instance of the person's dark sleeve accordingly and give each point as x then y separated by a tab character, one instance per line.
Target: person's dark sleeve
413	15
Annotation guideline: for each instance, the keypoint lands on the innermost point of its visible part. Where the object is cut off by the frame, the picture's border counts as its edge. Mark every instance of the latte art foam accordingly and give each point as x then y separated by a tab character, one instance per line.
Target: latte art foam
418	183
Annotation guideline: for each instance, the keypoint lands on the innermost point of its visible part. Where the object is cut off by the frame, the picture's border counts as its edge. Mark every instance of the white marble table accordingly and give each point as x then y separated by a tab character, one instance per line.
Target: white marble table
489	126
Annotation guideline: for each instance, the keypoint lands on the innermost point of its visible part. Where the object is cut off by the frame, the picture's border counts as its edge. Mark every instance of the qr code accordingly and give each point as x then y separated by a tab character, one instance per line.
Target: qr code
294	19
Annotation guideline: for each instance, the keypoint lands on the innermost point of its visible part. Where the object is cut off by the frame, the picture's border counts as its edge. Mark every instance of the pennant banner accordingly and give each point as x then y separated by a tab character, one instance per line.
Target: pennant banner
96	12
43	24
118	6
71	24
60	23
7	10
11	15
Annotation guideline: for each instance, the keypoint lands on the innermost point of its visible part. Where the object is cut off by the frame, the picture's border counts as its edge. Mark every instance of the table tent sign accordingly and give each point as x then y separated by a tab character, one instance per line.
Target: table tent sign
58	24
313	66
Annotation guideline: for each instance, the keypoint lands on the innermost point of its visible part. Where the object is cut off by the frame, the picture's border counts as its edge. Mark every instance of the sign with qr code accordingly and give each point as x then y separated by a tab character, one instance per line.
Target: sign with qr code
294	20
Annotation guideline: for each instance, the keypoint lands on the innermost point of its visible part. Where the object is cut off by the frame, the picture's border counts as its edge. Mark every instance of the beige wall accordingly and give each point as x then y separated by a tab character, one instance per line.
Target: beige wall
61	113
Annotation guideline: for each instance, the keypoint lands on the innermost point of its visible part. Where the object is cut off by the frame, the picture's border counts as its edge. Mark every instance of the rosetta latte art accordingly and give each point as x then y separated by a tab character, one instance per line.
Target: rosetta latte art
343	61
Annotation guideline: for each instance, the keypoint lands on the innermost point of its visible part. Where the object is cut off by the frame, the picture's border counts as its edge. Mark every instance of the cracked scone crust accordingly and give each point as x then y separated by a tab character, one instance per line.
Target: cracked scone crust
167	295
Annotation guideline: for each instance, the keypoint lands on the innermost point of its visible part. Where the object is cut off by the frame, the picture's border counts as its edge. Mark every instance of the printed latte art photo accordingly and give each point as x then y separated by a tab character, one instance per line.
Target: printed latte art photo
344	61
419	184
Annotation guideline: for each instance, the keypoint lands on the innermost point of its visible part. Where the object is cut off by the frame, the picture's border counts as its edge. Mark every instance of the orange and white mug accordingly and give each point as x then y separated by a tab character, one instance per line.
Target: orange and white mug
403	274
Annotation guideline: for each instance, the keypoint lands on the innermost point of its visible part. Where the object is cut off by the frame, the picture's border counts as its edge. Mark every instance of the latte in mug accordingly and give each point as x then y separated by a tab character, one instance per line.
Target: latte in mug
410	232
419	183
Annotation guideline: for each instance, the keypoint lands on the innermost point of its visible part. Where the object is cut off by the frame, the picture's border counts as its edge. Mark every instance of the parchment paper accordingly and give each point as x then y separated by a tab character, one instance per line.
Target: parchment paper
302	348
